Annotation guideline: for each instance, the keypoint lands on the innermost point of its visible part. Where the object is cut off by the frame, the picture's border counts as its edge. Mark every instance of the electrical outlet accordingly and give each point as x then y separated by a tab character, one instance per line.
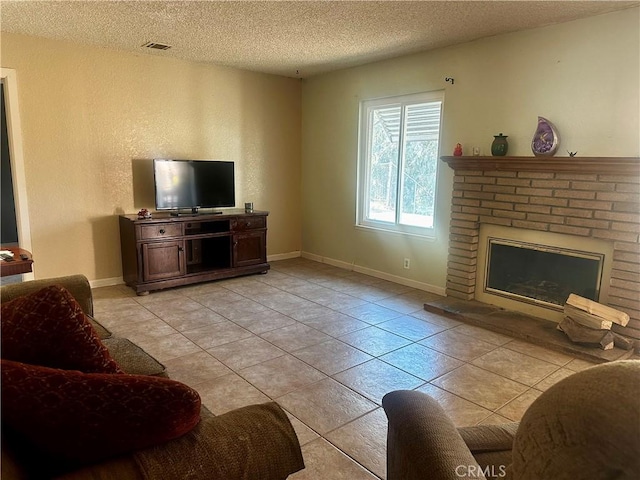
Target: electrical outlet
407	263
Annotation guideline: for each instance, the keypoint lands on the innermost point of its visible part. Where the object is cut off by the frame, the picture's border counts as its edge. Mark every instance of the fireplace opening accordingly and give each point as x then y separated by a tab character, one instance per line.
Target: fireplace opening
541	274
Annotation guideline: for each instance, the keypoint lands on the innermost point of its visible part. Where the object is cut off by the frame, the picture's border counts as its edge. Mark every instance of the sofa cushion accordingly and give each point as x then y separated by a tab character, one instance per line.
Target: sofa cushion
133	359
74	418
48	328
102	331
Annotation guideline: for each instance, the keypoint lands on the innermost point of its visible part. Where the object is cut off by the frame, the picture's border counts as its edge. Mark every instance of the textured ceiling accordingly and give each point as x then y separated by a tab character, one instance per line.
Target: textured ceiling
294	39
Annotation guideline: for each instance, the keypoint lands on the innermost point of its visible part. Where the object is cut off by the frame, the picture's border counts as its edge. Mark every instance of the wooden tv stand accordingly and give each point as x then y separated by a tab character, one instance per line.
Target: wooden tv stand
166	251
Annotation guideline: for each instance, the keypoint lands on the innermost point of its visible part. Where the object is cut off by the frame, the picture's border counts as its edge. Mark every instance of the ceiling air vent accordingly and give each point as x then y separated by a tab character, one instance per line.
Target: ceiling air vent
157	46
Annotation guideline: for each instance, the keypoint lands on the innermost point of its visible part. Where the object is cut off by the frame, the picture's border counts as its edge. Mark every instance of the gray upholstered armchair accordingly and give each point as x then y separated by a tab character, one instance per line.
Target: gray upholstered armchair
587	426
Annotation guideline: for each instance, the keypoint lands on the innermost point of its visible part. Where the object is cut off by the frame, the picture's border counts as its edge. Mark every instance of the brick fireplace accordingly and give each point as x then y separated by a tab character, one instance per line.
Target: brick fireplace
582	197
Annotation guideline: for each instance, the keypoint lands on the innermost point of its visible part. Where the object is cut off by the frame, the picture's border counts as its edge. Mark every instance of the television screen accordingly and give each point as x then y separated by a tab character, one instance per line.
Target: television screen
193	184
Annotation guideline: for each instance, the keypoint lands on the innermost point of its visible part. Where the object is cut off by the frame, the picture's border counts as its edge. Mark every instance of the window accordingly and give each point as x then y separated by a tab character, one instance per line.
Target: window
398	161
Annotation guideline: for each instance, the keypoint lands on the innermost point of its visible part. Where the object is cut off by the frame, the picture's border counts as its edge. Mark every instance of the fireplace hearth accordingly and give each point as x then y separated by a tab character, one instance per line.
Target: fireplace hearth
521	326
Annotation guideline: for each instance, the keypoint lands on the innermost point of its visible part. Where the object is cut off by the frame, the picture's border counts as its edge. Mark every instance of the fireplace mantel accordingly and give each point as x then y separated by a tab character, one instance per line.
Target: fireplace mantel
604	165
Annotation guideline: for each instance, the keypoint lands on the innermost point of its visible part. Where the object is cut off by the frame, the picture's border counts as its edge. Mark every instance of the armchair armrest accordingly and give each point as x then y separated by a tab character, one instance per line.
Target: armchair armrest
423	442
249	443
78	286
256	441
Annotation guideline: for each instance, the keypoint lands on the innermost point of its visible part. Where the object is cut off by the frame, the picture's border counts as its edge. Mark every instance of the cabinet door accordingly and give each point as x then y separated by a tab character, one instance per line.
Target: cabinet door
162	260
249	248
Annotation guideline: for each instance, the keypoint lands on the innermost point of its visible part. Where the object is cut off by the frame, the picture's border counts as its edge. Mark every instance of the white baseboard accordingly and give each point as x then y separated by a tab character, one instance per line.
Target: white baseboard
106	282
109	282
427	287
283	256
376	273
312	256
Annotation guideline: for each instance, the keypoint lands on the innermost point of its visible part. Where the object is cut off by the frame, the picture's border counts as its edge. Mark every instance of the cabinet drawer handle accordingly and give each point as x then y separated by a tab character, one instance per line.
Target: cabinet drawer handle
248	224
162	231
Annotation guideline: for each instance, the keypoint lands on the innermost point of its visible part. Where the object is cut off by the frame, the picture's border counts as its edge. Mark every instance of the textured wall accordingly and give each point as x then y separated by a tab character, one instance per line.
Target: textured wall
92	118
581	75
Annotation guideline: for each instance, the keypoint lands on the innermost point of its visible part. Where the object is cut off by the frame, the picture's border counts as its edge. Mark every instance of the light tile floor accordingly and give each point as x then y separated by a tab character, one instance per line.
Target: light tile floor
327	344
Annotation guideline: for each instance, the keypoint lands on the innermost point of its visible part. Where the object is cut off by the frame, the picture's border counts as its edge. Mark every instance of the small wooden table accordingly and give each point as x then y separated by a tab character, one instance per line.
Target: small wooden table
18	266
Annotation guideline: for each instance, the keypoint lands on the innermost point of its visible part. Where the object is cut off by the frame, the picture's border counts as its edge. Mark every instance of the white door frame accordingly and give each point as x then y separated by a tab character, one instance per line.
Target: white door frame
16	153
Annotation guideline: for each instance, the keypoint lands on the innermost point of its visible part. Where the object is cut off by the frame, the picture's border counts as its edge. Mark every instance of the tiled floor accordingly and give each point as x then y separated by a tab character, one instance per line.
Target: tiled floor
327	344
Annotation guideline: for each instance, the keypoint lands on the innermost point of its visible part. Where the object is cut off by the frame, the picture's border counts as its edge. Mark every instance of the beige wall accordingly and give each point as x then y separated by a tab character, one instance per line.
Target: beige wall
582	75
90	114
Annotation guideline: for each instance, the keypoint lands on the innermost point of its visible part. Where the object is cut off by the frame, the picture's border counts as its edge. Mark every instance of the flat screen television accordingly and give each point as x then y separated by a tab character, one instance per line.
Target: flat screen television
193	184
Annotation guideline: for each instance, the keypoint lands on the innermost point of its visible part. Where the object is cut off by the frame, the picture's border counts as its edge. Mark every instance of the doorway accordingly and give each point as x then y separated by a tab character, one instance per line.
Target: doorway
9	224
13	173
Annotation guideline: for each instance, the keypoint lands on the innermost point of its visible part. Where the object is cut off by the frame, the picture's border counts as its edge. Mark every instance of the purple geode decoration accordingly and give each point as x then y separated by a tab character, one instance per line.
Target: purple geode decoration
545	141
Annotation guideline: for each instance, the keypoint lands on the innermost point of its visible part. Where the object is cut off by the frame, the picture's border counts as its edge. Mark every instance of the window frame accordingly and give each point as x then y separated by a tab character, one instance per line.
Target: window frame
364	164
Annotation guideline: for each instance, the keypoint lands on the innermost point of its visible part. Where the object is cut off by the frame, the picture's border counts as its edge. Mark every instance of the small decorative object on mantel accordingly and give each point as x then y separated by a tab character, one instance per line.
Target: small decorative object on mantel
457	152
143	214
572	154
546	140
499	146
